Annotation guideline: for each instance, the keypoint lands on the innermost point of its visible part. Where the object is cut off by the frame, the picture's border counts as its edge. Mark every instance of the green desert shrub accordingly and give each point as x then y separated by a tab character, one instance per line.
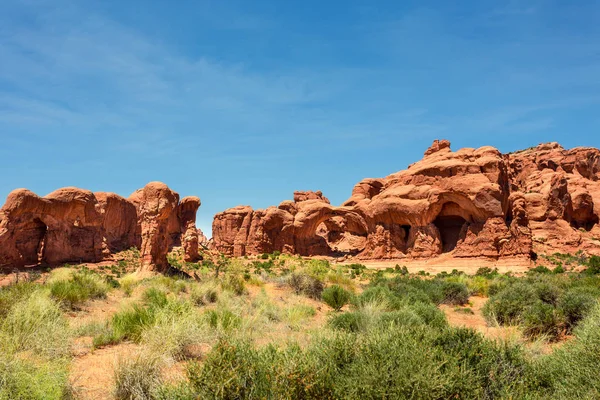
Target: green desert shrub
262	267
559	269
363	319
389	361
13	294
402	317
222	319
487	272
127	324
478	285
545	305
541	319
204	294
430	314
137	378
397	363
357	269
173	331
306	284
232	370
508	305
154	297
436	291
455	293
433	288
540	269
177	391
499	283
548	292
37	324
571	371
82	286
491	369
349	321
234	283
401	270
26	380
336	297
317	268
379	294
407	292
593	264
574	305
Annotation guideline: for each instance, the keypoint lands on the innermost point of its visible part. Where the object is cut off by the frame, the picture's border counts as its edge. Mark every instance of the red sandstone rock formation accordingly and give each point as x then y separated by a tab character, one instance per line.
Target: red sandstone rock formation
203	241
119	220
472	202
309	195
155	204
66	225
76	225
189	233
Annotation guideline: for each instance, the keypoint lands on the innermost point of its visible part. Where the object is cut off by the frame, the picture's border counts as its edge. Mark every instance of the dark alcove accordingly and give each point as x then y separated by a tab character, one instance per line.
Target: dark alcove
449	227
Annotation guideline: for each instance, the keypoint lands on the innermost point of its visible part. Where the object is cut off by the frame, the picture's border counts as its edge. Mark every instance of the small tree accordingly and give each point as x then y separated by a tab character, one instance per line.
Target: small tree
221	265
593	265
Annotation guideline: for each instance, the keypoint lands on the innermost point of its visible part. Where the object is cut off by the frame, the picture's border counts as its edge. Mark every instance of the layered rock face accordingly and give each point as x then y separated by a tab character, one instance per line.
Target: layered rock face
76	225
469	203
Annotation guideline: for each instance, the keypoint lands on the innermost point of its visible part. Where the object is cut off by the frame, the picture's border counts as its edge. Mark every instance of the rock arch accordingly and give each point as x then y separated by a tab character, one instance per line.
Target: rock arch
321	229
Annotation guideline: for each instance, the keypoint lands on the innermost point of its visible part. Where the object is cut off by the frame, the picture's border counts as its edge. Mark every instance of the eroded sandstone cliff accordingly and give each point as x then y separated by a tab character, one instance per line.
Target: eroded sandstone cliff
470	203
76	225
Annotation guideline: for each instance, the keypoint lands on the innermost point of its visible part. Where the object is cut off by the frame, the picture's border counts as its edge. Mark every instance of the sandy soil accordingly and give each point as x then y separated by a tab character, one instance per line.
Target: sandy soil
92	372
476	320
447	263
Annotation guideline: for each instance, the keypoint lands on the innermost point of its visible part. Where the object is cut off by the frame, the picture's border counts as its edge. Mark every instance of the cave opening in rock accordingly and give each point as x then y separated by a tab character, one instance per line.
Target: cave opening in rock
42	230
449	227
586	224
509	217
406	229
31	242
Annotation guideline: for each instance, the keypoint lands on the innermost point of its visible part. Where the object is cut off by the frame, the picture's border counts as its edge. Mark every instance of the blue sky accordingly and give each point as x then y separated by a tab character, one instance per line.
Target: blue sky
243	102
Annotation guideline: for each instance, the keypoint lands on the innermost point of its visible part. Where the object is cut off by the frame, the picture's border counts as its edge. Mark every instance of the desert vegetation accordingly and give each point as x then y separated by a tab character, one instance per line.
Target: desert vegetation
283	327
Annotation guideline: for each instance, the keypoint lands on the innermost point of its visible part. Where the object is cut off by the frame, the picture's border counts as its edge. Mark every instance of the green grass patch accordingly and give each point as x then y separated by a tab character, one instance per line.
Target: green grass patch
80	287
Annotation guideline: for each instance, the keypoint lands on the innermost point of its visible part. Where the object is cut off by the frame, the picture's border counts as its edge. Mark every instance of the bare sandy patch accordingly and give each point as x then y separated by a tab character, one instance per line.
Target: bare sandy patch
446	263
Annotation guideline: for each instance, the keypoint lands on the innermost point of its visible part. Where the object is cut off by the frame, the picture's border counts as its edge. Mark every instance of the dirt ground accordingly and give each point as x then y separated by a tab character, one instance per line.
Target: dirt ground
447	263
92	372
476	319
